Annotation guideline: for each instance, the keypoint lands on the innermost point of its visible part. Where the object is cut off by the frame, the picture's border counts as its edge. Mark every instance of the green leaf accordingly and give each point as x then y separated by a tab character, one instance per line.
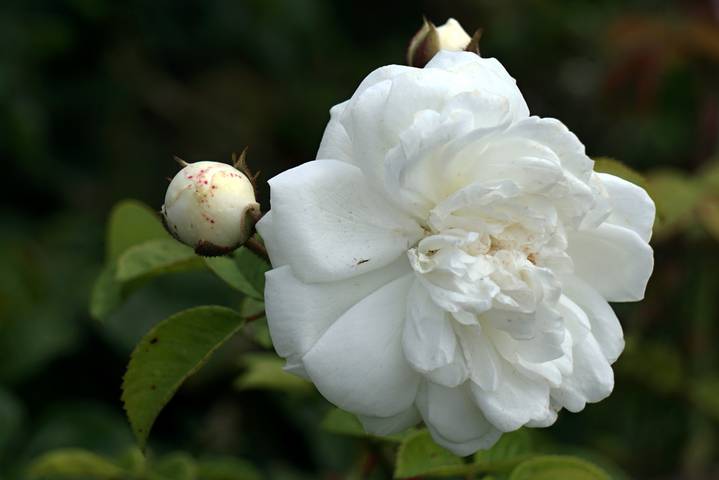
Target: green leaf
592	456
107	293
511	449
264	372
155	257
343	423
72	463
176	466
709	177
675	196
556	467
261	333
708	211
618	169
251	307
704	393
419	455
253	267
226	468
131	223
133	461
256	329
172	351
243	271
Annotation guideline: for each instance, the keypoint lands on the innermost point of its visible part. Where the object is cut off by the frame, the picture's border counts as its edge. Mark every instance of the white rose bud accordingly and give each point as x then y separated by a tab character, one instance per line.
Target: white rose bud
430	39
452	36
211	207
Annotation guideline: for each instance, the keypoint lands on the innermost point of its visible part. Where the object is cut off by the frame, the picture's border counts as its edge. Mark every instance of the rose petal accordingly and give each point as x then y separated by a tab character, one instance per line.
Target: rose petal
632	207
266	229
612	259
358	363
486	74
298	313
451	375
454	420
591	381
335	144
547	421
516	401
490	159
480	356
428	340
553	134
575	319
605	325
387	104
332	225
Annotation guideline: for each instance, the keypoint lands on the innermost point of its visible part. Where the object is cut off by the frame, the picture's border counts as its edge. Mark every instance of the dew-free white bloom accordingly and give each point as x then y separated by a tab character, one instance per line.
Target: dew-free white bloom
211	207
449	258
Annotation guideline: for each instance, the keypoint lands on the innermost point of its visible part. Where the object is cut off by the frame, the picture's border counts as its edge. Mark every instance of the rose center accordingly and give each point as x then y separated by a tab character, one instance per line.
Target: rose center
502	266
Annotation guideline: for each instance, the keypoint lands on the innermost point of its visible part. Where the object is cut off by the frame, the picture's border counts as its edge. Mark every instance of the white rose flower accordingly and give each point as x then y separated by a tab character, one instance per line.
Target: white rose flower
211	207
449	258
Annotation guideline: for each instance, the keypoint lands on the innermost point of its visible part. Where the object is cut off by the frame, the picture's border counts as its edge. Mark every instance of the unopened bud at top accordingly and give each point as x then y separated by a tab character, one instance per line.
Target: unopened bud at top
429	40
211	207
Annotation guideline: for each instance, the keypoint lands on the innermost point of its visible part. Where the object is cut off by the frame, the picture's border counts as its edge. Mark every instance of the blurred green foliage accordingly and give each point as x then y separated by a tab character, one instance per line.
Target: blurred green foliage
95	98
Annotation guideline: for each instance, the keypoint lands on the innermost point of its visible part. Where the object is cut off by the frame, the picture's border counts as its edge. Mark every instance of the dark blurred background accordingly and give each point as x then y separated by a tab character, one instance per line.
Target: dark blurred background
96	96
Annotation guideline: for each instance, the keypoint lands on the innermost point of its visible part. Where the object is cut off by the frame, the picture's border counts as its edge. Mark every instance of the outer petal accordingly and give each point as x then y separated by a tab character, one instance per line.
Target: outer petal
332	225
487	74
454	420
387	72
266	228
363	120
605	325
591	381
631	205
545	422
391	425
517	400
335	144
428	340
612	259
298	313
358	363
